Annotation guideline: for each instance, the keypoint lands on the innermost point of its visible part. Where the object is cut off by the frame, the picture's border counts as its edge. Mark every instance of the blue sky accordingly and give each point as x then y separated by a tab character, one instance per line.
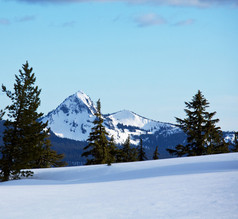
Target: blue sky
147	56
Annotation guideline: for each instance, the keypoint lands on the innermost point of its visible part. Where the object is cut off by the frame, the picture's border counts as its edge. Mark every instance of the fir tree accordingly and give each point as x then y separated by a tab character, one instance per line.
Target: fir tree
141	152
119	155
203	137
235	144
156	154
129	153
1	114
112	151
179	151
24	137
97	148
49	157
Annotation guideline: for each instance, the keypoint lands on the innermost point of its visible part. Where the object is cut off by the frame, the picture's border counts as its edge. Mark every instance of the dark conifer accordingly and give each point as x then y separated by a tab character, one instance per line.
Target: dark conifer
235	144
97	148
129	153
119	155
49	157
179	151
112	151
156	154
203	137
141	152
24	137
1	114
126	150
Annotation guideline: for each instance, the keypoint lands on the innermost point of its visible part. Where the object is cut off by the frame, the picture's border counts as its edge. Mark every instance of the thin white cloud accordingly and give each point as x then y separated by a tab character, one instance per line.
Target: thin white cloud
65	24
150	19
25	18
193	3
69	24
4	21
185	22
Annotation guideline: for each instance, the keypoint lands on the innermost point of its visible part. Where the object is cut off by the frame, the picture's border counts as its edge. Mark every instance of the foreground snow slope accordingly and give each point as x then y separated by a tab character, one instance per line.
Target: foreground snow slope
194	187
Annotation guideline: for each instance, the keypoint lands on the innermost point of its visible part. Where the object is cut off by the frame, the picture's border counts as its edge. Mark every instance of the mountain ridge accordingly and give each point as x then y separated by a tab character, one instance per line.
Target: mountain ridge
72	120
74	116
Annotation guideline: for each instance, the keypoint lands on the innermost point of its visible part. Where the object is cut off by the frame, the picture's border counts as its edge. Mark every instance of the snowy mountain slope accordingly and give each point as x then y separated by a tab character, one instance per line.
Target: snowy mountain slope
191	187
124	123
73	119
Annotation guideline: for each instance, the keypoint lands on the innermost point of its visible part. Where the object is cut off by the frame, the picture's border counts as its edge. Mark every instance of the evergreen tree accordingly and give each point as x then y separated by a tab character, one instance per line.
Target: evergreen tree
49	157
1	114
141	152
235	144
129	153
119	155
203	137
97	148
112	151
156	154
24	137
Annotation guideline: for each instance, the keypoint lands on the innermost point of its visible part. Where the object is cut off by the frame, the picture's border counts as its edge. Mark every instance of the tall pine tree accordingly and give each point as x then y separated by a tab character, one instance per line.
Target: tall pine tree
141	152
203	137
128	153
97	148
112	151
1	114
25	138
156	154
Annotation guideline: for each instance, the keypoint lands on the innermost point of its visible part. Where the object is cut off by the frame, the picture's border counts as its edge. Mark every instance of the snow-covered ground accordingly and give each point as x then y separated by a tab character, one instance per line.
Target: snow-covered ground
193	187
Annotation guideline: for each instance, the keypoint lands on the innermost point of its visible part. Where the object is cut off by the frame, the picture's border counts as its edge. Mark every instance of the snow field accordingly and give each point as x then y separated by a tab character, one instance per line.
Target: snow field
194	187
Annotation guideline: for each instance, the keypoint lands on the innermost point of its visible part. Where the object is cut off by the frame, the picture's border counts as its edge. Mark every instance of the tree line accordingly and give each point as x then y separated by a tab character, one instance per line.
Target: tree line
203	137
26	143
100	150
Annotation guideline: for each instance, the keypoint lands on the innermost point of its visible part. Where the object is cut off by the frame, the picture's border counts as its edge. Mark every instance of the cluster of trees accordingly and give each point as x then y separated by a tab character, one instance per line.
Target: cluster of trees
26	143
100	150
203	137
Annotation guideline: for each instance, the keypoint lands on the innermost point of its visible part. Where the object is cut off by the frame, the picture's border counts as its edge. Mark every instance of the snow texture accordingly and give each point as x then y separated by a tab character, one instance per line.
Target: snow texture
192	187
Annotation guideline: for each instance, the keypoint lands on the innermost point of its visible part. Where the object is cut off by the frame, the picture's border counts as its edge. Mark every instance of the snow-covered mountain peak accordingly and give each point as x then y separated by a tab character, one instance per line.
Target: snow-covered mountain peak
74	117
80	102
85	99
128	118
76	104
